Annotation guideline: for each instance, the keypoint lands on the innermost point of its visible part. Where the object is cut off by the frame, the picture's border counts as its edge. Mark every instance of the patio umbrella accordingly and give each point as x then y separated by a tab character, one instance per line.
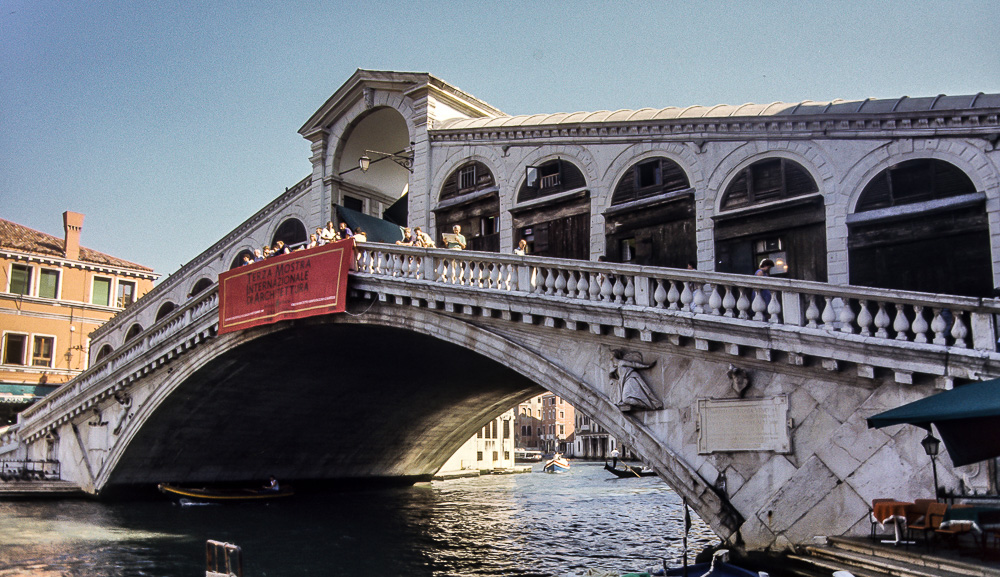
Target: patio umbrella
967	417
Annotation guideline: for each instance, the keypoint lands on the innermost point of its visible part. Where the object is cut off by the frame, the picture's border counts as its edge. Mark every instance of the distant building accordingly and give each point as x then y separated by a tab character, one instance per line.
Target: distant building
558	423
54	293
592	441
528	426
491	449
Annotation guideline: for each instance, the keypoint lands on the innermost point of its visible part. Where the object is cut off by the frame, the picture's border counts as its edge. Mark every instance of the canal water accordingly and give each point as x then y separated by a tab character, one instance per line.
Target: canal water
524	524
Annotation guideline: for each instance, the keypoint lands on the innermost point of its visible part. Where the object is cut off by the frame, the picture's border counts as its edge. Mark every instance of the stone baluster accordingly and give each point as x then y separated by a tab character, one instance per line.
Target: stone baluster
397	265
812	313
629	290
698	302
729	302
959	331
774	308
673	296
619	289
660	294
939	325
571	284
847	317
686	296
881	321
715	301
920	325
582	286
550	281
743	303
607	289
758	306
901	324
865	319
596	286
828	314
560	283
443	271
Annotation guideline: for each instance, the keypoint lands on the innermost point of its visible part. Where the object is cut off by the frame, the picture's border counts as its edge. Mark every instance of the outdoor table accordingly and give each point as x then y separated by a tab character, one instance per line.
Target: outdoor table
894	511
969	516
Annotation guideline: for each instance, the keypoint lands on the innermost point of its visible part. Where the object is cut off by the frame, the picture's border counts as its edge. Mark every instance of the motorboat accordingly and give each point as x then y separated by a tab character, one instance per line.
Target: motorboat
527	456
557	464
629	472
225	495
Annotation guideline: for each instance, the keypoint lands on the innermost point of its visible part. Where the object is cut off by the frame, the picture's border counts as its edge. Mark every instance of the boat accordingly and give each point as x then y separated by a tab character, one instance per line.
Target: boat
557	464
630	472
225	495
527	456
718	567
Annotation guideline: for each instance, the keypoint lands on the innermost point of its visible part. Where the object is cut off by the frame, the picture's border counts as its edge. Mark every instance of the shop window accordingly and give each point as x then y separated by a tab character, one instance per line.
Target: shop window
14	348
467	178
648	174
48	283
355	204
914	181
550	178
100	293
768	180
771	248
20	279
41	351
126	293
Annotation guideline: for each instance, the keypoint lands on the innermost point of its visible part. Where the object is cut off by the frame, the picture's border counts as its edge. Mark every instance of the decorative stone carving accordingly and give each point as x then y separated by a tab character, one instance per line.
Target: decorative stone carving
739	379
630	389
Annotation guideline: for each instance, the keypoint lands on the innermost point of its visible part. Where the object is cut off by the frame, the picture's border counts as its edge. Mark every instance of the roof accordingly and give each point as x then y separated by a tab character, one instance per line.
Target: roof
18	237
904	104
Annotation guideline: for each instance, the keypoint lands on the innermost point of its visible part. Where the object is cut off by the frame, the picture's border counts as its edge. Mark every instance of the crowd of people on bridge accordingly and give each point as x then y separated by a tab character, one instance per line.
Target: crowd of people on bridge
322	236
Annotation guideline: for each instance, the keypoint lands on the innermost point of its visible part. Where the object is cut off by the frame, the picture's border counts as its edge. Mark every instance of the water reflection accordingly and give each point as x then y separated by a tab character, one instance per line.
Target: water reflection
529	524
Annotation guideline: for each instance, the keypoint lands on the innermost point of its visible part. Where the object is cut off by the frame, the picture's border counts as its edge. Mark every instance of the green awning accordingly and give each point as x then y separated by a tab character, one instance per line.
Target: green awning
967	417
376	229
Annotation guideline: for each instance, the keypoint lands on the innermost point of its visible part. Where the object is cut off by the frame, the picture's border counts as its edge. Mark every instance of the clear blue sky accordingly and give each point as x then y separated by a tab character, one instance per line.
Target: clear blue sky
169	123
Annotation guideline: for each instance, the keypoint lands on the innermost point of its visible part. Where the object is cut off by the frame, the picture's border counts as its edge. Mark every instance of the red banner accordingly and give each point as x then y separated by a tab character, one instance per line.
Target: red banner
302	284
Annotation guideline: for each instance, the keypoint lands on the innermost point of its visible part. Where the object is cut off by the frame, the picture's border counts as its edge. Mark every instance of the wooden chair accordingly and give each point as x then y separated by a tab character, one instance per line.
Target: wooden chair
989	522
930	523
871	514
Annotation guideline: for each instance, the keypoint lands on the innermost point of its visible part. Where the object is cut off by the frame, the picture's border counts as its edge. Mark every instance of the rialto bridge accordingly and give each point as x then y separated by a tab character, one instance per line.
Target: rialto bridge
747	394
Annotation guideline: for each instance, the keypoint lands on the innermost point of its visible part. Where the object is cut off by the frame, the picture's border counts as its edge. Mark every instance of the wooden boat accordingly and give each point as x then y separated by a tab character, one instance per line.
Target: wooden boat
718	567
223	495
556	464
630	472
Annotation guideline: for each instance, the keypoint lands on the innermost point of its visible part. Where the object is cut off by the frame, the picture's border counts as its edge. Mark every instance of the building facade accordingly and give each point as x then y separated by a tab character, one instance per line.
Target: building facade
491	449
55	293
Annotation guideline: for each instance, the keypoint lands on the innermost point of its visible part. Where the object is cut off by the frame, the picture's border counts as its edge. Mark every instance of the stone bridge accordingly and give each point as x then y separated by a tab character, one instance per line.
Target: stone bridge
748	395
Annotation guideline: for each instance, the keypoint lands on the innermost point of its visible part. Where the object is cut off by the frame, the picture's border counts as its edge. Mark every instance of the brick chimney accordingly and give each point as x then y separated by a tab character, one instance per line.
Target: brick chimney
72	224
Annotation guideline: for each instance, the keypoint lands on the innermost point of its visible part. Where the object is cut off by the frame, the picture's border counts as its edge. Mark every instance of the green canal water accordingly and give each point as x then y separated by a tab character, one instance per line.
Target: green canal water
525	524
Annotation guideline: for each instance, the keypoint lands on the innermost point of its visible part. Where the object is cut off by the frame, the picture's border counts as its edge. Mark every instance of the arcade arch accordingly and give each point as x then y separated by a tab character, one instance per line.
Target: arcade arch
202	284
383	137
553	210
651	220
133	332
238	259
470	198
921	225
292	232
772	208
164	310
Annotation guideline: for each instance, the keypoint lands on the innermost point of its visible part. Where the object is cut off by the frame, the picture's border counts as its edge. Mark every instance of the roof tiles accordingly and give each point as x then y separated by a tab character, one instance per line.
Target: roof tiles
18	237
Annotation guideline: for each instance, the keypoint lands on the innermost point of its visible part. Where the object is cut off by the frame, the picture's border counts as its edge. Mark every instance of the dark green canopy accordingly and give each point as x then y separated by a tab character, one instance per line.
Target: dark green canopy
967	417
376	229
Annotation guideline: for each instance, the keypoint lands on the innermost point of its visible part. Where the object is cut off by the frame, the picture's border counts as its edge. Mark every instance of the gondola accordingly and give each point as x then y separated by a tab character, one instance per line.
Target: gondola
222	495
629	472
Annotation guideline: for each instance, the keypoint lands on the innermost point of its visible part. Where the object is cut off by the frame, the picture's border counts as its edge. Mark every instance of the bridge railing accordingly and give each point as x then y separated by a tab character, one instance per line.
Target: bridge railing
951	321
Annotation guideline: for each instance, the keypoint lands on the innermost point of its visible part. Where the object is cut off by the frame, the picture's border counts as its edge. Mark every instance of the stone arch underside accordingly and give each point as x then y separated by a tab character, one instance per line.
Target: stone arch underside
300	402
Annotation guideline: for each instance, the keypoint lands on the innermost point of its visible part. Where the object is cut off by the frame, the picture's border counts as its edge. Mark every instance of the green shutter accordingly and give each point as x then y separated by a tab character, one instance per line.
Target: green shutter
48	284
20	279
102	291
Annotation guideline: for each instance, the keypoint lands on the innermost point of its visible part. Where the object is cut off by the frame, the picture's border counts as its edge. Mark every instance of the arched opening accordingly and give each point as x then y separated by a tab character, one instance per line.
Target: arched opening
164	310
238	260
652	216
103	353
204	283
921	225
383	138
292	232
133	331
772	209
470	198
553	211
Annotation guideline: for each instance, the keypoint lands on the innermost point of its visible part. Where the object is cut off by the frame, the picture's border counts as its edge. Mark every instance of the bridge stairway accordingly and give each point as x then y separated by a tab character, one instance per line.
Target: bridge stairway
863	558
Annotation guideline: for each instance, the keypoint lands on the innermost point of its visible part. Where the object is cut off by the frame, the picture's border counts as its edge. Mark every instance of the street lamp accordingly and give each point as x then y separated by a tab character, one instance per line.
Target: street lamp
931	446
403	158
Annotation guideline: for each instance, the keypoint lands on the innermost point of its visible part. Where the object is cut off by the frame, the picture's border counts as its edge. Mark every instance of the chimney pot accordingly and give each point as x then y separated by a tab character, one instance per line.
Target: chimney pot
72	224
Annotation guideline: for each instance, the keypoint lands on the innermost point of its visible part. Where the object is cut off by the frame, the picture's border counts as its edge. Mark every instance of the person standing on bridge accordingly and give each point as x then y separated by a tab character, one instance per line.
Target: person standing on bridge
765	270
328	234
455	240
344	231
522	248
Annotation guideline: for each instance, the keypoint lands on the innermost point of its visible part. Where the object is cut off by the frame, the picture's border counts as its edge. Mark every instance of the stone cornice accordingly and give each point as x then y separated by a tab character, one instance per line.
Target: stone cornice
983	123
63	263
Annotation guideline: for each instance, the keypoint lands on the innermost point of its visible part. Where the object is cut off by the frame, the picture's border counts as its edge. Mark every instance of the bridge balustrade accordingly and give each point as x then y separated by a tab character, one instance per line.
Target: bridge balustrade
950	321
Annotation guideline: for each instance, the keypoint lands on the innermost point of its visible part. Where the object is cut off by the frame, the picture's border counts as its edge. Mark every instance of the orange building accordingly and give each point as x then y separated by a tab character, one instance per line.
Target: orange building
54	293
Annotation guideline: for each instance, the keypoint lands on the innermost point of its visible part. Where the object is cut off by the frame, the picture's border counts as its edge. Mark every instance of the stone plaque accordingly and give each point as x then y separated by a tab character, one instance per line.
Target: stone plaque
743	425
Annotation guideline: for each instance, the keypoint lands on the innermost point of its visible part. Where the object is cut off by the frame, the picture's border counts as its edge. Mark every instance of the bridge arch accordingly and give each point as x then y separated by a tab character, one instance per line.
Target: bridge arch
450	344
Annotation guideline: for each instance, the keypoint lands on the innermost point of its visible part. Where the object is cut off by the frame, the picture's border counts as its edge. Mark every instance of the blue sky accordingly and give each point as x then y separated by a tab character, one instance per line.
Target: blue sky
169	123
